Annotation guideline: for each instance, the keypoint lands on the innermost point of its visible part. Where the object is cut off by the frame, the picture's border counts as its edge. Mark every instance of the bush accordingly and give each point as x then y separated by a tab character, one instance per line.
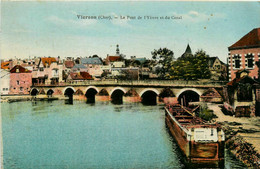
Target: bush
207	114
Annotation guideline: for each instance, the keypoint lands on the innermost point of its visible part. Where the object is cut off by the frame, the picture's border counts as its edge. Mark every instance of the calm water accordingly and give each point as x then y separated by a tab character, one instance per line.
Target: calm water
57	135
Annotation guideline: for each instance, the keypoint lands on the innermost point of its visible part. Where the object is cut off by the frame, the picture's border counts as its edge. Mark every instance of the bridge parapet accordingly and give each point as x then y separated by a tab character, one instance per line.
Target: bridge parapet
159	83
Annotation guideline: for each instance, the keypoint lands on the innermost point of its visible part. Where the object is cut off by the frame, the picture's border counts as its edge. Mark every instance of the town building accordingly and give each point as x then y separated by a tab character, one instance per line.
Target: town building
217	68
79	76
48	71
94	66
5	82
20	80
117	60
6	65
241	95
79	68
244	54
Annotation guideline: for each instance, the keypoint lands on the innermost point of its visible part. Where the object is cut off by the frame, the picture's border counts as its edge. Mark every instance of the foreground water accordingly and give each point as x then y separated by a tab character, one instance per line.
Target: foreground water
103	135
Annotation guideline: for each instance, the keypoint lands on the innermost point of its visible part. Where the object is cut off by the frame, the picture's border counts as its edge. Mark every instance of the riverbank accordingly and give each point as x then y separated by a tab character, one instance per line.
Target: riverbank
19	98
126	99
15	98
242	136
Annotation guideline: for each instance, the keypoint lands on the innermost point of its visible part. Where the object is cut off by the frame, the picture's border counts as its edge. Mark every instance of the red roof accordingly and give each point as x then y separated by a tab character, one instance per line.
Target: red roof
19	69
114	58
48	61
86	75
69	64
244	79
5	65
250	40
81	76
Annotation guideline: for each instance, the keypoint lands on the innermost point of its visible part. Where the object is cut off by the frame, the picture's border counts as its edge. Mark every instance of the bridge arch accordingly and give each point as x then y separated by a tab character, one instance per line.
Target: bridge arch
68	92
68	87
149	96
191	89
117	88
34	92
91	87
117	94
50	92
188	96
149	89
90	94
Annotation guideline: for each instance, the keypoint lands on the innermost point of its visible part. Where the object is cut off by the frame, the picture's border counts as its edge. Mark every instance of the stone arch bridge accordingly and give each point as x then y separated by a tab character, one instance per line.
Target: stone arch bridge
149	91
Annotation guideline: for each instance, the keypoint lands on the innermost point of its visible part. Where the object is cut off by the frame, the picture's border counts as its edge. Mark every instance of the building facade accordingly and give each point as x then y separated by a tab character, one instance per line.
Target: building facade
244	54
241	95
20	80
5	82
217	68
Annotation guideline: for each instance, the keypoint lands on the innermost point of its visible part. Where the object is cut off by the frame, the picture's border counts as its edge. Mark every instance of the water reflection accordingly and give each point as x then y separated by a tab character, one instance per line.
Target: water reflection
90	100
69	101
118	108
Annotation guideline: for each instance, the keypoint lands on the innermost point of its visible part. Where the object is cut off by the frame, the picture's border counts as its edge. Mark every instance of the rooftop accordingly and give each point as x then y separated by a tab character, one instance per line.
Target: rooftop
93	60
250	40
48	61
19	69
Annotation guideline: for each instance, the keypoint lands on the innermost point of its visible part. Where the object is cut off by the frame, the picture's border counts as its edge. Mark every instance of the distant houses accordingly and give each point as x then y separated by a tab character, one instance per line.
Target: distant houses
218	69
5	81
54	70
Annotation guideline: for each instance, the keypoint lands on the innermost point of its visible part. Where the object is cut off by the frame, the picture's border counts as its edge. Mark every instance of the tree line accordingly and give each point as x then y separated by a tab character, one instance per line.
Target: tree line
188	67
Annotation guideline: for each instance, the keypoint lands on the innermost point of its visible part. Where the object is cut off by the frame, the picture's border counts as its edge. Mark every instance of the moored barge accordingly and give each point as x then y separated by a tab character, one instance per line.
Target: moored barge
198	140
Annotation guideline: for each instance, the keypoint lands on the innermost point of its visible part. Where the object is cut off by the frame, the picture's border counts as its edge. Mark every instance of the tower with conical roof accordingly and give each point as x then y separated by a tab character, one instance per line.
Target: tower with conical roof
187	51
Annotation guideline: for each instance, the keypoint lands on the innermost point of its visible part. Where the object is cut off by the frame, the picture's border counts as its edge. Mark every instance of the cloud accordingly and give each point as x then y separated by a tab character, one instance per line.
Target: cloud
82	23
195	16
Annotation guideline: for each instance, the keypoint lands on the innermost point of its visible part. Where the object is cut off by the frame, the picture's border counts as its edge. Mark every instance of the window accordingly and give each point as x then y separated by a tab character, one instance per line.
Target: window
3	89
41	69
211	132
237	61
6	89
17	82
249	61
21	88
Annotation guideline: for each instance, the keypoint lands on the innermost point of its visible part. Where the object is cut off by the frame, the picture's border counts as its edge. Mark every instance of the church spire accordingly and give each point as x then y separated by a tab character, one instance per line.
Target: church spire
187	51
117	49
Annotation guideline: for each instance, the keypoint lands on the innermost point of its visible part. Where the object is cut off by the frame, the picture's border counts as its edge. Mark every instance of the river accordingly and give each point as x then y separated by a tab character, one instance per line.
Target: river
55	135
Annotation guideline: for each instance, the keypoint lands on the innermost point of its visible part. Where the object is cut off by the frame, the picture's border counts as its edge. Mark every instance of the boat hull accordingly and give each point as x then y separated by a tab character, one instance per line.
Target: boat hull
195	152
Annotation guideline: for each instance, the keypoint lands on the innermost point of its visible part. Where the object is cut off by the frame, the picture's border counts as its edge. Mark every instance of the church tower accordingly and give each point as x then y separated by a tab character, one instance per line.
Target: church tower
187	51
117	50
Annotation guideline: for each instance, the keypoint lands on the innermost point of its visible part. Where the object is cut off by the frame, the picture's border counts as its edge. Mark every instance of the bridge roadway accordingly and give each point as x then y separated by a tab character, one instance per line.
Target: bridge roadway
141	87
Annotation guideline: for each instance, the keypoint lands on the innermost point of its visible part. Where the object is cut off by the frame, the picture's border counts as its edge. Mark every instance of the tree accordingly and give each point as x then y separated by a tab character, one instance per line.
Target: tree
164	58
190	67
